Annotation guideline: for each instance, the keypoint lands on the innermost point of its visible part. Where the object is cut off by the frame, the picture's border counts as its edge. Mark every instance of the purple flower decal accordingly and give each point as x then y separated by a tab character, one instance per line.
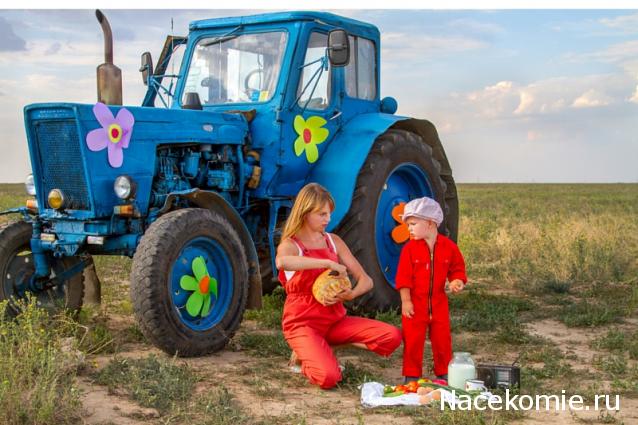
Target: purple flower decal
114	135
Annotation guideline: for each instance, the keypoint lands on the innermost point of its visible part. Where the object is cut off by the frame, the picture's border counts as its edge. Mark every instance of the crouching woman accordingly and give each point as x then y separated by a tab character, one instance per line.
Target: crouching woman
311	328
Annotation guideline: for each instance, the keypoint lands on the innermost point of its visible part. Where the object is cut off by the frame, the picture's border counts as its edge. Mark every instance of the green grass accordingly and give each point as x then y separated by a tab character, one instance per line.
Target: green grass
476	310
615	340
355	375
220	408
392	317
37	370
614	365
263	388
269	316
589	314
152	382
11	196
529	235
262	344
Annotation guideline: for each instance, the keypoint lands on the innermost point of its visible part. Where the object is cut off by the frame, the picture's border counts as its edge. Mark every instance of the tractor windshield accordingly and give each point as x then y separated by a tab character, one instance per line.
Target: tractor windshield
236	69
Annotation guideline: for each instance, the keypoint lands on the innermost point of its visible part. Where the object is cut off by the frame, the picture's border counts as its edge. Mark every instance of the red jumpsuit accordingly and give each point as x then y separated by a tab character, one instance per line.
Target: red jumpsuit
427	290
311	328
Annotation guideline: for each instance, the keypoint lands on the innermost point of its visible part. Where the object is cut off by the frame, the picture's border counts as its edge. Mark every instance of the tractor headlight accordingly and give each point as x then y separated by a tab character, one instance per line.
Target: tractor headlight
29	184
56	199
124	187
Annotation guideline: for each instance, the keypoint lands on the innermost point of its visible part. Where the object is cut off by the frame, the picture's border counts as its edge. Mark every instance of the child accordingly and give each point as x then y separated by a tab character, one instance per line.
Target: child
426	261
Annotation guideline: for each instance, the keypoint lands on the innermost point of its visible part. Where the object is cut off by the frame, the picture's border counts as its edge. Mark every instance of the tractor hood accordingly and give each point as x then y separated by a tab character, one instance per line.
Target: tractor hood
71	150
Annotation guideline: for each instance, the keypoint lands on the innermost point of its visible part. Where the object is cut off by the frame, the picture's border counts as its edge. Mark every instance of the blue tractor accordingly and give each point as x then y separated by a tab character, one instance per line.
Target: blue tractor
196	182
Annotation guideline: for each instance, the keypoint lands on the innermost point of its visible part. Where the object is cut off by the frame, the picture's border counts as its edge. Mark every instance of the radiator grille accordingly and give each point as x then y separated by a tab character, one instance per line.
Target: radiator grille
61	165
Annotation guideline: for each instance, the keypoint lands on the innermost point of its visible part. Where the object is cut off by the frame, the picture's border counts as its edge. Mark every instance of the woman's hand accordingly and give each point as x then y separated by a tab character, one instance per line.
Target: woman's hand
328	301
343	296
346	295
341	270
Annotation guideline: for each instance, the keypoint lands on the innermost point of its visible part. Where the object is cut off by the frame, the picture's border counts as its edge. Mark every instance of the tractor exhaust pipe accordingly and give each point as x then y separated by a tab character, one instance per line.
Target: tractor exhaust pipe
109	76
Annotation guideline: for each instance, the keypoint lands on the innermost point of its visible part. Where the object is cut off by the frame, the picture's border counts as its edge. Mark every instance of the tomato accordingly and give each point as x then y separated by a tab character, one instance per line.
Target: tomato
412	386
401	388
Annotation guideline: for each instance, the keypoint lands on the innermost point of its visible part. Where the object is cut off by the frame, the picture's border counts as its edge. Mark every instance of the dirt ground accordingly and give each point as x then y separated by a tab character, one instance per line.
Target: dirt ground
302	403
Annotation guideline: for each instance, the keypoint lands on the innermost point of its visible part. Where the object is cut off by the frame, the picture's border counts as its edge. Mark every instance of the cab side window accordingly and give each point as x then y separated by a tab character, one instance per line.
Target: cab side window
320	98
361	72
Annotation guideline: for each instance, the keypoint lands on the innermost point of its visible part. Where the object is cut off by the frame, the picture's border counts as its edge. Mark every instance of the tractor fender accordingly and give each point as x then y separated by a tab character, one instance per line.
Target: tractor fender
339	166
214	202
429	135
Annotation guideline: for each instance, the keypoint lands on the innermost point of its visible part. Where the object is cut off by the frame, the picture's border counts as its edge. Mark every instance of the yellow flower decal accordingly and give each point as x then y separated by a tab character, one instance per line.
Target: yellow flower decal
311	133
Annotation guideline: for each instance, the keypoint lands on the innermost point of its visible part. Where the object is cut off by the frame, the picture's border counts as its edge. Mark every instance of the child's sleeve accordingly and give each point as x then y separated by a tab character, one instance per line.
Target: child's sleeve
403	278
457	265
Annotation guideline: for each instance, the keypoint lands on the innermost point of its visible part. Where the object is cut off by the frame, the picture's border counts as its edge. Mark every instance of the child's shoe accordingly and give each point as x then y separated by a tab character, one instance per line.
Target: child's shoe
407	379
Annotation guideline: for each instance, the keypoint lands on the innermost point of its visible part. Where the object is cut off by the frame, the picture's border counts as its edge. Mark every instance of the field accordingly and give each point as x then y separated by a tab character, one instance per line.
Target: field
553	283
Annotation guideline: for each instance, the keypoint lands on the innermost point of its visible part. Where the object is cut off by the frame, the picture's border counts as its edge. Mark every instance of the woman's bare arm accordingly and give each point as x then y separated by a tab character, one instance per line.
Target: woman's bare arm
364	282
288	258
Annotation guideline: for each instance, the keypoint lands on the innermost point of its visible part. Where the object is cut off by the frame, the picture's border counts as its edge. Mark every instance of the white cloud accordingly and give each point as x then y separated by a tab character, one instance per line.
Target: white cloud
626	23
591	99
507	99
634	97
403	46
533	135
526	101
615	53
76	53
475	26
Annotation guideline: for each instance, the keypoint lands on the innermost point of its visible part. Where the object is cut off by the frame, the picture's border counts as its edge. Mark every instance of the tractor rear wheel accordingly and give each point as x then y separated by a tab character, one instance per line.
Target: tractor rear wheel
189	282
400	167
17	267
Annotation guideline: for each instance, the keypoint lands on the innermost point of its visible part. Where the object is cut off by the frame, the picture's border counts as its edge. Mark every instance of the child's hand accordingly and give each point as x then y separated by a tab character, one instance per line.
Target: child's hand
407	309
456	286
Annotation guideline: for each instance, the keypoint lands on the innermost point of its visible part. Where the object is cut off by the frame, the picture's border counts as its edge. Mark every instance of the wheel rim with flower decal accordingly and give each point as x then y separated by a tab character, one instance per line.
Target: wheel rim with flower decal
189	282
406	182
201	284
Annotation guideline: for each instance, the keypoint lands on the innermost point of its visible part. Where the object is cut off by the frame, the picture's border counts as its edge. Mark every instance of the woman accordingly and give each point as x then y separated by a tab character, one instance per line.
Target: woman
310	328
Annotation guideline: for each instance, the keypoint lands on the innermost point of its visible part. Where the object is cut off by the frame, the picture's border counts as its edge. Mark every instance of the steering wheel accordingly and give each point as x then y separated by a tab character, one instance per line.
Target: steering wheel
248	90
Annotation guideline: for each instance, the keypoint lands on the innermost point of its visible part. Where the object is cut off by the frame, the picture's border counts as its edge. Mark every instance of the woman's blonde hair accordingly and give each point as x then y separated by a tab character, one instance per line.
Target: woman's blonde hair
312	197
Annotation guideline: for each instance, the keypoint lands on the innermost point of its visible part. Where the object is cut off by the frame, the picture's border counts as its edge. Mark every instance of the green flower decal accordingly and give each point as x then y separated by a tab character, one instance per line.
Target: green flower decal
203	287
311	133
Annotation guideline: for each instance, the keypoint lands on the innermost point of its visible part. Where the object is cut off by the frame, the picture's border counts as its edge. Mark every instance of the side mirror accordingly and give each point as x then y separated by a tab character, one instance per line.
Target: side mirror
147	67
338	48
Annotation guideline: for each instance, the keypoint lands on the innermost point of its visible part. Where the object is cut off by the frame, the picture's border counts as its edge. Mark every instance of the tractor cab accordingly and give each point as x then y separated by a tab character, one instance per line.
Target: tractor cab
301	75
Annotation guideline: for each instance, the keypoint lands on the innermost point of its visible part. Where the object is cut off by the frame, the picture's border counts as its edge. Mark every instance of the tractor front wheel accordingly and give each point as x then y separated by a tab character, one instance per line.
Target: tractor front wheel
189	283
17	268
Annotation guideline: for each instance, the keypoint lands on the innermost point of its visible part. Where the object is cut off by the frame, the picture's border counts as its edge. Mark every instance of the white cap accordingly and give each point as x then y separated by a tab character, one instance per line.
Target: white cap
425	208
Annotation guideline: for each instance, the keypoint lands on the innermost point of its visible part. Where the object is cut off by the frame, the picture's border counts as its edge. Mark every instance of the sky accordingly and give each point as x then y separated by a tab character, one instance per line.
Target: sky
516	95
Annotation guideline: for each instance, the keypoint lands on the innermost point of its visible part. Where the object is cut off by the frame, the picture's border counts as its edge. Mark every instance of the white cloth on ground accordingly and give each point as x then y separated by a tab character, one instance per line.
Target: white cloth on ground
372	396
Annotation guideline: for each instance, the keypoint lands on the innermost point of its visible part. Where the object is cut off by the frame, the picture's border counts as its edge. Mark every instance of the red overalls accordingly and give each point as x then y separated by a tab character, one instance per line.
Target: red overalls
427	290
311	328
